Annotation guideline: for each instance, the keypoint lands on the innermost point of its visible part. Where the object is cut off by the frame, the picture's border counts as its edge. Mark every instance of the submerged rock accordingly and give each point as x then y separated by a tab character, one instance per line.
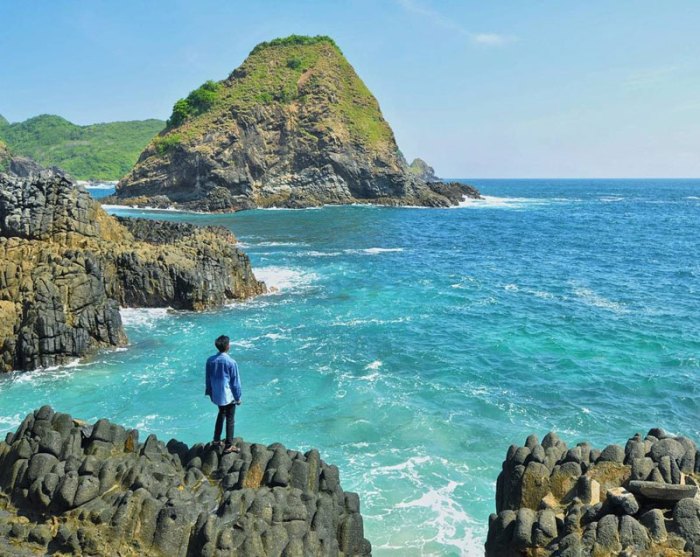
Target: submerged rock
632	501
66	267
108	494
293	126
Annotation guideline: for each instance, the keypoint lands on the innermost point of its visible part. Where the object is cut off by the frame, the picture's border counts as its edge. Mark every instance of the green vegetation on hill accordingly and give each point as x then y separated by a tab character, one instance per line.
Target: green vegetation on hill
4	155
293	73
295	40
95	152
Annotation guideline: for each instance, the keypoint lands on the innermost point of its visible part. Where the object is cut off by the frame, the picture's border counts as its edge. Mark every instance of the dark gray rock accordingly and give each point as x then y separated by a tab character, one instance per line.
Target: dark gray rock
664	468
635	448
524	522
667	447
550	440
40	465
641	468
621	502
686	515
653	521
607	533
633	534
657	433
612	453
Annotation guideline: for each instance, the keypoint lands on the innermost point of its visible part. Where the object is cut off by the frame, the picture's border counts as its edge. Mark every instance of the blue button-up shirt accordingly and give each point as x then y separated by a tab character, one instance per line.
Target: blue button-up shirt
223	382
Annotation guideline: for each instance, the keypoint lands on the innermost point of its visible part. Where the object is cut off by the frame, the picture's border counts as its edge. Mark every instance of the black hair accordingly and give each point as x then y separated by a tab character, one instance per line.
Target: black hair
222	343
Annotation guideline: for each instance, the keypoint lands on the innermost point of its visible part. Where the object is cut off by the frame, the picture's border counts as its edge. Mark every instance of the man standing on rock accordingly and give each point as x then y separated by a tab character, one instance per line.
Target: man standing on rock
223	387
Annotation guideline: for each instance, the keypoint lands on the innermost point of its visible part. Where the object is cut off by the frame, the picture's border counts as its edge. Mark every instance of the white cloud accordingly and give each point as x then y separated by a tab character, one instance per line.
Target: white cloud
437	19
492	39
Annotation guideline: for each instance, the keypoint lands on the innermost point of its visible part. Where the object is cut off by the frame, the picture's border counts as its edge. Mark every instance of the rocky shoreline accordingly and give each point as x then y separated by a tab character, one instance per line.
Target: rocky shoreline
94	489
638	500
66	267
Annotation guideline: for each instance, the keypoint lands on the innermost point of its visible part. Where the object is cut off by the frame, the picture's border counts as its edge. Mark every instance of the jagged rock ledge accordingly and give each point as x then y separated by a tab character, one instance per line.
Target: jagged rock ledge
66	486
640	500
66	267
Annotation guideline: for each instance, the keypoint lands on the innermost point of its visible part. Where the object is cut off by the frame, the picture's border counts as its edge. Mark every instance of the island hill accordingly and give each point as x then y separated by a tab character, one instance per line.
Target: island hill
66	267
96	152
293	126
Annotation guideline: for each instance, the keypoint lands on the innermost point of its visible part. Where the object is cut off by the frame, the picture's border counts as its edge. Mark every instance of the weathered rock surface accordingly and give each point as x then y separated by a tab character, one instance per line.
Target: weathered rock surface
66	267
423	170
105	493
293	126
641	500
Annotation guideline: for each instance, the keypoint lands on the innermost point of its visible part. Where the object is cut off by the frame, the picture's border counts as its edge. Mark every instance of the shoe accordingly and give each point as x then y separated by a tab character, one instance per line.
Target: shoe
231	449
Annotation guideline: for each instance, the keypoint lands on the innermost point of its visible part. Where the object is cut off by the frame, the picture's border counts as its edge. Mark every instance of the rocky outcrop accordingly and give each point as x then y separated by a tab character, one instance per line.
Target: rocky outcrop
293	126
79	489
423	171
66	267
638	500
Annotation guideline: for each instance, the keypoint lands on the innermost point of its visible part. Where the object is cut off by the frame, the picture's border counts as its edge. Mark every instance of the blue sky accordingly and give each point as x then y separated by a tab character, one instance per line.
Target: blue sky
476	88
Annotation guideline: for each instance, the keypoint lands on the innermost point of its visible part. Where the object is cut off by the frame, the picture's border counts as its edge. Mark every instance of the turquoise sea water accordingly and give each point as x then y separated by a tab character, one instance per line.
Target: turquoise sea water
413	346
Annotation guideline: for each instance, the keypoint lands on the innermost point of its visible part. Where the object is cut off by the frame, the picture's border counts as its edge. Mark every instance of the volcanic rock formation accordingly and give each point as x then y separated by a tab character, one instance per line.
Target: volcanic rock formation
66	267
77	489
293	126
641	500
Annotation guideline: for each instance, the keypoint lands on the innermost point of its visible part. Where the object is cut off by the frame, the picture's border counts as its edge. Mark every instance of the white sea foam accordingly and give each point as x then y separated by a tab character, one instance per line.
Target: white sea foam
284	278
611	198
373	251
693	197
376	364
9	423
314	253
112	208
589	297
357	322
492	202
146	422
142	317
291	209
450	518
99	185
274	244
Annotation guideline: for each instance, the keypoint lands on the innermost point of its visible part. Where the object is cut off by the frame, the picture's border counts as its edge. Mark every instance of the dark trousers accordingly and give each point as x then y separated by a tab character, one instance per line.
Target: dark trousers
228	412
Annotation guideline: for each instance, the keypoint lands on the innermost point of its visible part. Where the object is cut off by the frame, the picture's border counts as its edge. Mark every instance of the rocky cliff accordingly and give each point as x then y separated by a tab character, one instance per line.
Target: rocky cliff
638	500
66	267
293	126
93	489
423	171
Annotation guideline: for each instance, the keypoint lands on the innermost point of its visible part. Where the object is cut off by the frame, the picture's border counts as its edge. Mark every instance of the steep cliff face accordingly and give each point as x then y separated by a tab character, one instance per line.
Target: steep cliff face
66	266
73	488
293	126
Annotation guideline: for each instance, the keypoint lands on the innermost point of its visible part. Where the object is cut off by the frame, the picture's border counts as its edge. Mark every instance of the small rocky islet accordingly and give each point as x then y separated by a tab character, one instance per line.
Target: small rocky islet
294	126
72	488
640	500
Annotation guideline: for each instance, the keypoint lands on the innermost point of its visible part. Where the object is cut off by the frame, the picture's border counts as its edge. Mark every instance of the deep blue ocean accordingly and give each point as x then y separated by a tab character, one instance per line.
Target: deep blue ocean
413	346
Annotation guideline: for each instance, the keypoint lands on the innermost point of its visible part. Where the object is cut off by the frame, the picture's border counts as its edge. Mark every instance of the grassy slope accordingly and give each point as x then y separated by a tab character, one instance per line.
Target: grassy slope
296	72
99	151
